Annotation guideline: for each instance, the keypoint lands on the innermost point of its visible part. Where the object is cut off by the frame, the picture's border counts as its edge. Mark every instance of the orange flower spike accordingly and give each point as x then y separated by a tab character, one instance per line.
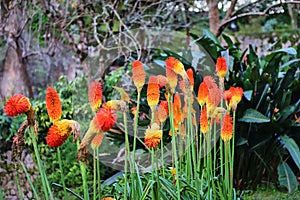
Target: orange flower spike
162	113
138	75
234	96
190	74
172	79
177	110
108	198
97	140
203	120
104	119
227	98
53	104
95	95
59	132
202	93
153	136
153	91
227	128
221	67
176	66
16	105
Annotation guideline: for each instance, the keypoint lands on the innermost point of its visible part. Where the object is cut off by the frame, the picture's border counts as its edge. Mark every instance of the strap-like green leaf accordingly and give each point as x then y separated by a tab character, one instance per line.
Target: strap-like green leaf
287	178
253	116
293	148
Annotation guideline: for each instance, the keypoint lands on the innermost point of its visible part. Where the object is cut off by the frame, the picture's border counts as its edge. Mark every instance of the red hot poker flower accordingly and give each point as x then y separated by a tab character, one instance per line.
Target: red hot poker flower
175	65
104	119
190	74
95	95
221	67
16	105
97	140
233	96
203	120
202	93
162	112
152	136
53	104
161	80
59	132
152	91
227	128
138	74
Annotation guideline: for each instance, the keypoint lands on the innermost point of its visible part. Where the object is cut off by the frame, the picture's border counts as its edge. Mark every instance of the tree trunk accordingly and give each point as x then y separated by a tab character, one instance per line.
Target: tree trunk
14	78
213	15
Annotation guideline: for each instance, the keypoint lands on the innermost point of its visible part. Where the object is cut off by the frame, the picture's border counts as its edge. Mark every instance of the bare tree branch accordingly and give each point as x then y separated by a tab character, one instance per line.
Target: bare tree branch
225	22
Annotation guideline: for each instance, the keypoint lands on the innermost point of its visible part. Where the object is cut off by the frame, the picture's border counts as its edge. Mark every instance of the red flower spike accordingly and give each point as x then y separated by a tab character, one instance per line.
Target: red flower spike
104	119
138	75
95	95
221	67
53	104
16	105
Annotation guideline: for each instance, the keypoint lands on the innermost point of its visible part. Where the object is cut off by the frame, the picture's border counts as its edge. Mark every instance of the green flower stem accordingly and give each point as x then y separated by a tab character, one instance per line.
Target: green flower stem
62	178
95	173
98	175
162	152
29	181
127	157
215	149
232	152
221	158
18	182
83	175
136	116
226	168
170	100
152	170
46	186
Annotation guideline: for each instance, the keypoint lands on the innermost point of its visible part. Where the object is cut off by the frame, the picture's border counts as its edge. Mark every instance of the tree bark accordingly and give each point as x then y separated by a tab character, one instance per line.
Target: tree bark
15	77
213	15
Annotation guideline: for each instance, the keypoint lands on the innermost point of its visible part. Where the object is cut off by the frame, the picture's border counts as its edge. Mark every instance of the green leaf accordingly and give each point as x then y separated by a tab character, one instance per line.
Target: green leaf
293	148
289	50
210	35
287	178
253	116
147	188
241	141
